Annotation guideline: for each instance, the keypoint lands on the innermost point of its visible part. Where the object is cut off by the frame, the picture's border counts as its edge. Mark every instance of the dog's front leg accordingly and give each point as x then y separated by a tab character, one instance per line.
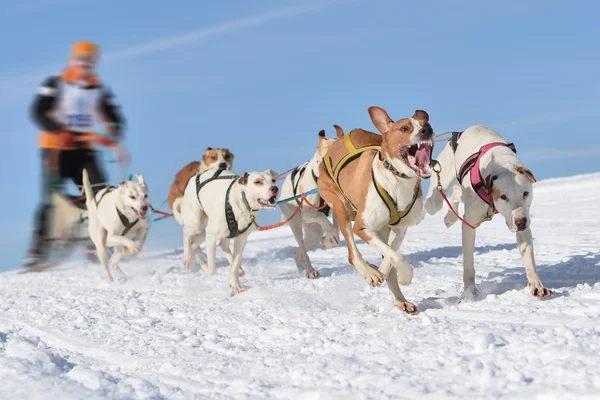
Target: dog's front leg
114	263
405	271
468	248
525	242
115	241
211	253
234	275
224	244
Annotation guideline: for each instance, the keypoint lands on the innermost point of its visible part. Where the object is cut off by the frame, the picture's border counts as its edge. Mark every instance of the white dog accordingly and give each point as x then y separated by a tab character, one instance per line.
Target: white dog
311	225
221	205
116	214
493	181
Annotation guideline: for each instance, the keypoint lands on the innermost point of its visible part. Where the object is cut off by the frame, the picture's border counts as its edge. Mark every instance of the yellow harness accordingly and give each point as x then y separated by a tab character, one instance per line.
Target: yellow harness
353	153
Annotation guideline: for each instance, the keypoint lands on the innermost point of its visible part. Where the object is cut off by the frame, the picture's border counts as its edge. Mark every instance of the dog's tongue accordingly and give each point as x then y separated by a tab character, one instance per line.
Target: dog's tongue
423	156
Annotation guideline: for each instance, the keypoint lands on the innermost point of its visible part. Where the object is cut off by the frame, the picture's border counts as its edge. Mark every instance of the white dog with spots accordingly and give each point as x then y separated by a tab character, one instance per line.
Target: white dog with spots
497	183
219	205
115	215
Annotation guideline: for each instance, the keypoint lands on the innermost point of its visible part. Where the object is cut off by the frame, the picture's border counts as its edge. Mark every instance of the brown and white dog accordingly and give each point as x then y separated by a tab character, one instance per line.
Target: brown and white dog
212	158
395	163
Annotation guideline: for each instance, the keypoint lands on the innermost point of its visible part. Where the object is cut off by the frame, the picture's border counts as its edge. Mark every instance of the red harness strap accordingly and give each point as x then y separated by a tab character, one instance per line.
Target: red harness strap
471	165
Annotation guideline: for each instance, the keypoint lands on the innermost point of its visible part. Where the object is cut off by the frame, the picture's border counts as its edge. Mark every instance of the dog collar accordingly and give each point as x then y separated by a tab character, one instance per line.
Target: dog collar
388	165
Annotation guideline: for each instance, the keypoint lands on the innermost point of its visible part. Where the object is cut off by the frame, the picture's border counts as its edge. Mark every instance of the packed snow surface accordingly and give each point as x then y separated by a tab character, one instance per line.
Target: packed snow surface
165	333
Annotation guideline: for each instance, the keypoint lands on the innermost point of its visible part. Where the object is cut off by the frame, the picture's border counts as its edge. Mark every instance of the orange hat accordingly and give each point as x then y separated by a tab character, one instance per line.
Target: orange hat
85	49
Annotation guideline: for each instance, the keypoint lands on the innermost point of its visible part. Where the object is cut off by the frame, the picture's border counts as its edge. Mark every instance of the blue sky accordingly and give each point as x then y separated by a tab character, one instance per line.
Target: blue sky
263	77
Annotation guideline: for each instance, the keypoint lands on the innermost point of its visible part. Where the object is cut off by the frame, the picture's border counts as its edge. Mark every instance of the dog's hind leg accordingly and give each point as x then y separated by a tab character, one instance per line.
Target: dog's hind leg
114	263
99	239
434	201
188	254
312	236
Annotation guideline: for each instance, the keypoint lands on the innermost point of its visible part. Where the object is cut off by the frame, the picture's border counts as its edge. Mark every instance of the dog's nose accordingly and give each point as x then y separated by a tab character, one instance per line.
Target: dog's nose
222	166
521	223
144	208
426	131
274	189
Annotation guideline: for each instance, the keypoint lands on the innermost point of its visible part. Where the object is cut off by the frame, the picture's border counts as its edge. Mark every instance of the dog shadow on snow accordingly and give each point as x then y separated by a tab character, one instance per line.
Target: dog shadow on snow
577	270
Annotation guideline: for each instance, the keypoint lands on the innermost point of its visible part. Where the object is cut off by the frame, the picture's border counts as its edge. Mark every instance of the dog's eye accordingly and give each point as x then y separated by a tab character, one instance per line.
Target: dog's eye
227	157
145	196
525	194
404	128
503	197
132	197
273	181
258	182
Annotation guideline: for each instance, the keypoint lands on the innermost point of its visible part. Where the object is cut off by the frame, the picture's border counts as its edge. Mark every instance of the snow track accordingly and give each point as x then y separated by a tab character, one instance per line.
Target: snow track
169	334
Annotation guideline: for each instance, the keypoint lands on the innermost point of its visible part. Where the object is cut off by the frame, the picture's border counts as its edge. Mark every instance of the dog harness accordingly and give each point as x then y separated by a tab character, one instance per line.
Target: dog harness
353	153
126	223
232	223
299	172
471	165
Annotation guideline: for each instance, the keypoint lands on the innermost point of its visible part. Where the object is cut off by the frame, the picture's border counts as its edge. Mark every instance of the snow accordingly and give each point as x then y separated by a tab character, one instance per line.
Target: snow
165	333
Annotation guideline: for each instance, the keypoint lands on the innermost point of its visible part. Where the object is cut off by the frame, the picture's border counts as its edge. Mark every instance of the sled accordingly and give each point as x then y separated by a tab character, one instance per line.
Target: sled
67	229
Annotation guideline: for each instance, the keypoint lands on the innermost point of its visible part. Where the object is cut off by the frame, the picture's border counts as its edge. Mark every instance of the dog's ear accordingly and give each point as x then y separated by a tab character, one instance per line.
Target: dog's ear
380	118
122	183
524	171
339	132
140	179
421	116
489	186
274	174
244	178
321	136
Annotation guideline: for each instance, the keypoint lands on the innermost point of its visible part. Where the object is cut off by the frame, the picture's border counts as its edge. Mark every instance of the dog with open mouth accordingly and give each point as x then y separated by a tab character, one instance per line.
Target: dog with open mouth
115	215
375	180
492	180
219	205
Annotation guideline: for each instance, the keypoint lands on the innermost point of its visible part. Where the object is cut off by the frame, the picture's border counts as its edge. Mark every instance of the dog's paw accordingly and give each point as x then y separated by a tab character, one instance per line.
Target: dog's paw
450	219
373	276
236	289
134	247
470	293
538	290
314	274
406	306
329	241
188	260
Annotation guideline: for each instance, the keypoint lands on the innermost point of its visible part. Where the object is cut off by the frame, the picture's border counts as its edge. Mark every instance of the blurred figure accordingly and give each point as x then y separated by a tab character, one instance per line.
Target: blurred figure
66	109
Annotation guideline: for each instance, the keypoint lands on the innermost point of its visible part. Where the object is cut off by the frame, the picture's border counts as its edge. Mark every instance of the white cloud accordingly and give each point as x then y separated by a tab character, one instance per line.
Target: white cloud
540	155
33	77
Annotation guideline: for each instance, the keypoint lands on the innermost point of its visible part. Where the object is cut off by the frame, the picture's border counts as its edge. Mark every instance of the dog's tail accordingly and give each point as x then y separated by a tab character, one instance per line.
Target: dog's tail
87	190
177	210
